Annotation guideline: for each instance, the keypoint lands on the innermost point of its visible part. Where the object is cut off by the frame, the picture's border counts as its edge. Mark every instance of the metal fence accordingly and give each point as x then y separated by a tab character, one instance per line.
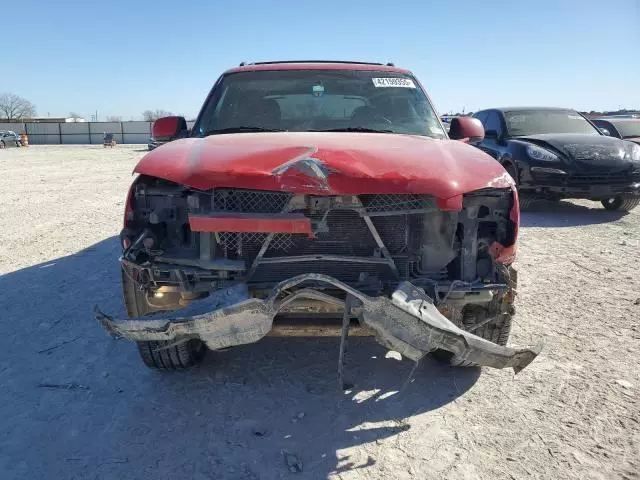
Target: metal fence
81	132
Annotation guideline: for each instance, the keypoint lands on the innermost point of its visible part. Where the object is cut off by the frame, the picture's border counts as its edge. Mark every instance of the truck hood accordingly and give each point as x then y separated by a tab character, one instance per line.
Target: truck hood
325	163
585	151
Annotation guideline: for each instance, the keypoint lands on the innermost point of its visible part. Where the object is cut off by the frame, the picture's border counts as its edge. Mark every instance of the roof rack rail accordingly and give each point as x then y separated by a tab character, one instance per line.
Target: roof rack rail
312	61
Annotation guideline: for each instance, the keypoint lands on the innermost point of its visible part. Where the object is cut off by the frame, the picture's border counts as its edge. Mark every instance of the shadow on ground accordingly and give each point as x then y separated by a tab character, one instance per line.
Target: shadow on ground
566	214
78	404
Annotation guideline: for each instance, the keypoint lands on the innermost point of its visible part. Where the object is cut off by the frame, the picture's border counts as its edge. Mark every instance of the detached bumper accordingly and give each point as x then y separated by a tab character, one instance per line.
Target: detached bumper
407	322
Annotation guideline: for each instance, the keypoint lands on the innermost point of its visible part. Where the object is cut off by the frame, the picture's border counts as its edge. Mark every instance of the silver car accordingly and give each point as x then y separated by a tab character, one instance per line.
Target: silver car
9	139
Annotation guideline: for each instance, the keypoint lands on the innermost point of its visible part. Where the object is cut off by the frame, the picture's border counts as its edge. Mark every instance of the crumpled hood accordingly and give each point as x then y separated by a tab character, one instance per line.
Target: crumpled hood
325	163
585	150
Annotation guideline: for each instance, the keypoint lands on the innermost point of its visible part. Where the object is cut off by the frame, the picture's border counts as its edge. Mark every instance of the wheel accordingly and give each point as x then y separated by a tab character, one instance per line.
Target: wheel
496	331
623	203
160	355
525	202
2	145
511	170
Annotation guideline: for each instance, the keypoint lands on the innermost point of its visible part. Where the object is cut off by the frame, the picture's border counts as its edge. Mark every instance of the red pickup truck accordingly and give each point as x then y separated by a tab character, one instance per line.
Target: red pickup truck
316	198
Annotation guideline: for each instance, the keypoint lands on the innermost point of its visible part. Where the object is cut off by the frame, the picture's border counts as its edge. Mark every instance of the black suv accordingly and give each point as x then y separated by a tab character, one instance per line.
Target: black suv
555	153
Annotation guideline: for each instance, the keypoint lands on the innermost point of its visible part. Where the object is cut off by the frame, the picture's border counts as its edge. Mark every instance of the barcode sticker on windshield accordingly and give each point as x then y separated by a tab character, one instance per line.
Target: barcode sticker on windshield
393	82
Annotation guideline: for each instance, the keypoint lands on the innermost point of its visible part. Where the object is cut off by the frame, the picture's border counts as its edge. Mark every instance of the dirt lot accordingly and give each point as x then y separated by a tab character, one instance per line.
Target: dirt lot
574	413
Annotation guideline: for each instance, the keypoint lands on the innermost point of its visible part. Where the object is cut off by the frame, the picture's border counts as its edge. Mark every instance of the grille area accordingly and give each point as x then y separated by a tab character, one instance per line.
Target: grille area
342	231
390	202
579	179
587	179
249	201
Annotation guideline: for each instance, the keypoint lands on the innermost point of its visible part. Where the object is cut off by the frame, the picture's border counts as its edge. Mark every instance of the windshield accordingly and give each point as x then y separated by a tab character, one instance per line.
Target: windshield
318	100
534	122
628	128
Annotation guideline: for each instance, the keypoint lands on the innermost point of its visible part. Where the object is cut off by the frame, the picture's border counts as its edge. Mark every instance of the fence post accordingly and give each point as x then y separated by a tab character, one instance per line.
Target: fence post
90	142
122	132
60	133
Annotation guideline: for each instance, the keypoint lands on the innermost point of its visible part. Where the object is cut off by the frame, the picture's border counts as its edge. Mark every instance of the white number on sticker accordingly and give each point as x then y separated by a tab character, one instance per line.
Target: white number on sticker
393	82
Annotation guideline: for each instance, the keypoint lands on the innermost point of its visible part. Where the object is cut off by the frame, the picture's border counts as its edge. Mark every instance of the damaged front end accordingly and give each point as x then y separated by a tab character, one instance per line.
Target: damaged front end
419	273
407	322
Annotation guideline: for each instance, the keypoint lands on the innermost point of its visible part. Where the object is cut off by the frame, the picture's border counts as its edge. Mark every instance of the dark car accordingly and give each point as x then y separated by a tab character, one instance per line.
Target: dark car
625	128
9	139
153	143
556	153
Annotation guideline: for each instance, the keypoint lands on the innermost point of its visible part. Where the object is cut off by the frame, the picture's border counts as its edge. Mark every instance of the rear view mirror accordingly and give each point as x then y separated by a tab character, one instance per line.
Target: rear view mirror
169	128
466	129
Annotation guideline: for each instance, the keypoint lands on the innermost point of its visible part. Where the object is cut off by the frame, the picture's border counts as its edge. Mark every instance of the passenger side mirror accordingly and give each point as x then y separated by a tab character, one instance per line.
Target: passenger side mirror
466	129
169	128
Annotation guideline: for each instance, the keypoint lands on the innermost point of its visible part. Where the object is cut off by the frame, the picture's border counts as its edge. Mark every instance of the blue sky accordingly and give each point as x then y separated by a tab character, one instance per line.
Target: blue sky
123	57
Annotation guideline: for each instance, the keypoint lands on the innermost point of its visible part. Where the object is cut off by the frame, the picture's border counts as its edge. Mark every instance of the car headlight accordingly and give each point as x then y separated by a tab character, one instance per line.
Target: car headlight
635	153
541	154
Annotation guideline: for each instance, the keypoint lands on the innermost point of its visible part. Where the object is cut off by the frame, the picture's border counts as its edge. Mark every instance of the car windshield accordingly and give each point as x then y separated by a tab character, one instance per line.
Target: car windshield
628	129
535	122
319	100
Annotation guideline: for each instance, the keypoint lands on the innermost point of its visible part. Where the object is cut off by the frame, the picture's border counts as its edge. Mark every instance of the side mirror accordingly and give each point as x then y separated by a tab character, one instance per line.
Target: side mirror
604	131
466	129
166	129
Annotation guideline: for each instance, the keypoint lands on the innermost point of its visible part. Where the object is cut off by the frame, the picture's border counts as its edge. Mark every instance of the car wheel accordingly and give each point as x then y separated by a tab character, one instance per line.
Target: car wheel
623	203
2	145
525	203
511	170
160	355
496	331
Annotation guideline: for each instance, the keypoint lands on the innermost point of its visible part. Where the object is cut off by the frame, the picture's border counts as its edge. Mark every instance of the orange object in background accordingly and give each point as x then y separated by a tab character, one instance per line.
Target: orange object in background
24	139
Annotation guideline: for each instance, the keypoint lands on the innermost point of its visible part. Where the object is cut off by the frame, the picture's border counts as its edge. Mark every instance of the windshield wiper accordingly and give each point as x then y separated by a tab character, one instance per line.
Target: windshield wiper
241	129
355	129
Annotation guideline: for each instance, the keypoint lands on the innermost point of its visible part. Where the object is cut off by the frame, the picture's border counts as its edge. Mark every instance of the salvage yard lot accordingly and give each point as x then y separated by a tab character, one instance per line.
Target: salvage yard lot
75	403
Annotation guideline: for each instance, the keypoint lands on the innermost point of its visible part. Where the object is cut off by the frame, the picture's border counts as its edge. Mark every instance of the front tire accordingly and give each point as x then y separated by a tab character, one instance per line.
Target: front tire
159	355
622	203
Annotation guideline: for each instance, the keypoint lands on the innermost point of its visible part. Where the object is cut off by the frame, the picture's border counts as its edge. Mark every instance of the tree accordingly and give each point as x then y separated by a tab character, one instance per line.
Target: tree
153	115
114	119
74	115
14	107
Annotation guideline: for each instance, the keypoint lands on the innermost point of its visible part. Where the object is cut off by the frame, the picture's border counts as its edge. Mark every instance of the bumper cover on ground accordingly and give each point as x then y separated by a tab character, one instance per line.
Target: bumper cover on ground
407	322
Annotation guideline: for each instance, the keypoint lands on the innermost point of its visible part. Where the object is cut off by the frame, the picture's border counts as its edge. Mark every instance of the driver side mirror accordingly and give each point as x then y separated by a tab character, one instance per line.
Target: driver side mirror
466	129
166	129
604	131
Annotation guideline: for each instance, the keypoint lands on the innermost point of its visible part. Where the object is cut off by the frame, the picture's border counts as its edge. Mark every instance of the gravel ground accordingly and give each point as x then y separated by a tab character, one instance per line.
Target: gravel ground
76	404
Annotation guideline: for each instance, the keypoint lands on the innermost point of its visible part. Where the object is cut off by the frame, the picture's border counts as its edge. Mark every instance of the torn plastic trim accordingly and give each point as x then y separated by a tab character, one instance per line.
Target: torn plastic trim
408	322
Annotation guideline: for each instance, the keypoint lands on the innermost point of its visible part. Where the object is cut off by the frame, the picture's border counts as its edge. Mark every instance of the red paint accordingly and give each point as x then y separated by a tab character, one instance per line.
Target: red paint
358	163
502	254
168	127
466	129
251	223
452	204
